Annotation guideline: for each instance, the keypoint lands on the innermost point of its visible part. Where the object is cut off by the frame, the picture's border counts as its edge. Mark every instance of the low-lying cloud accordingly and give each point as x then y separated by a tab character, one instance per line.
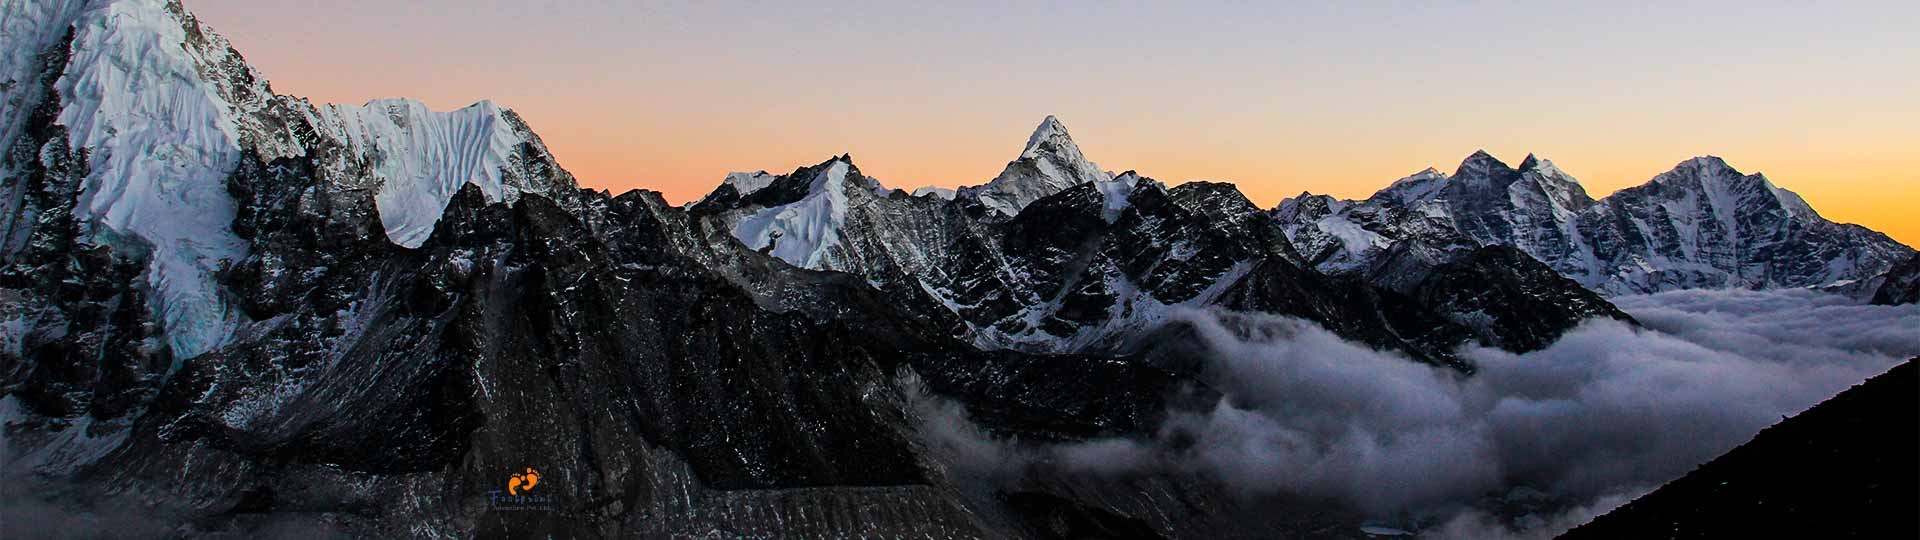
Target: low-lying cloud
1604	414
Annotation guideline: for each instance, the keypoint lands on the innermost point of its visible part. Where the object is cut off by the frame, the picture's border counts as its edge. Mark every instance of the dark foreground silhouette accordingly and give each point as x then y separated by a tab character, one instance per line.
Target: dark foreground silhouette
1847	468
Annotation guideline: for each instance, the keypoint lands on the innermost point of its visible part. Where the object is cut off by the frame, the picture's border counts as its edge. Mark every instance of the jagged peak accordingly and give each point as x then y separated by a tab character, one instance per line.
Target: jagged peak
1711	174
934	191
1051	162
746	183
1049	130
1545	168
1478	164
832	174
1291	209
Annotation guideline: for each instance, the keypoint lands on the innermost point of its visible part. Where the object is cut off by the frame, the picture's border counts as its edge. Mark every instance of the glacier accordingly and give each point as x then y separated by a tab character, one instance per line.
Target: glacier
163	141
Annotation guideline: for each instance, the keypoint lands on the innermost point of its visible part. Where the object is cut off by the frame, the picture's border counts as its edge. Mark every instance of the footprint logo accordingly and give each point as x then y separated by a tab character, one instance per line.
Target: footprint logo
523	481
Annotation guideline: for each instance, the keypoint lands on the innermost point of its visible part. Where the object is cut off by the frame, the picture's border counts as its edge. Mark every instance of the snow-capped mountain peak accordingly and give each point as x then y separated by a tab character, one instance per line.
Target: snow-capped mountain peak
809	210
1049	163
1417	187
1544	167
1050	136
421	157
162	139
1701	224
745	183
934	191
1479	164
1725	186
165	114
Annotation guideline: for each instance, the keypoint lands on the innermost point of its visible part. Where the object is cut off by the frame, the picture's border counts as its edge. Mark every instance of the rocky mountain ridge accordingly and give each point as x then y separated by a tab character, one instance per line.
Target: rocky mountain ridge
1701	225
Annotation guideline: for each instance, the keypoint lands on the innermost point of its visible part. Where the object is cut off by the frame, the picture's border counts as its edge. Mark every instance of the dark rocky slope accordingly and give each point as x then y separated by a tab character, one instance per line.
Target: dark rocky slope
1901	285
1846	468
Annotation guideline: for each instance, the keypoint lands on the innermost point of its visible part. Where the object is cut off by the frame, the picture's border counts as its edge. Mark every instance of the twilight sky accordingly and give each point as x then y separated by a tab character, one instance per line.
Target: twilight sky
1335	97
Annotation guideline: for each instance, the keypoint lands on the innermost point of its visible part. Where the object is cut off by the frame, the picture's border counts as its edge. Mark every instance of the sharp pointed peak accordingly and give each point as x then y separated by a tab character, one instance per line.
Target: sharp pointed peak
1050	129
1051	122
1481	161
1544	166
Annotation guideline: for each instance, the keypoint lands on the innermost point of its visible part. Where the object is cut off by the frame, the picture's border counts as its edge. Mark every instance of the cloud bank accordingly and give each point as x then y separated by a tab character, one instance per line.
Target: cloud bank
1604	414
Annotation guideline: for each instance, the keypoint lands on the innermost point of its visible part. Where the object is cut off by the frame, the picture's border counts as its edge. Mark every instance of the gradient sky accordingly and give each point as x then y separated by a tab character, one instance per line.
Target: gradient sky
1336	97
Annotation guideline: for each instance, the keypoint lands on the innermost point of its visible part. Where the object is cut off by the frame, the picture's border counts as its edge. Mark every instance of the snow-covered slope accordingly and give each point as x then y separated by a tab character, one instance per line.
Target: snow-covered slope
802	232
162	141
1706	225
1051	162
1701	225
1320	228
420	157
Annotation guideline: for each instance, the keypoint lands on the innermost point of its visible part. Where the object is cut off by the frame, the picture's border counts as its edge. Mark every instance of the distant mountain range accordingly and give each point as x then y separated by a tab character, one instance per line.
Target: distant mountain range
378	313
1701	225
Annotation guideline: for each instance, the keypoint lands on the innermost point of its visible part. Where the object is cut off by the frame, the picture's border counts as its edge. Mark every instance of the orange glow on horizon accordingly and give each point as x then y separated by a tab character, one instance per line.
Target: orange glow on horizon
1328	99
1877	190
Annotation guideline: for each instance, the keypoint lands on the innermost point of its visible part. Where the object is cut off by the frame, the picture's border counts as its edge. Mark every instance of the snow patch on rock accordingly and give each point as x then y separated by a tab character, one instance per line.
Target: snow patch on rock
935	191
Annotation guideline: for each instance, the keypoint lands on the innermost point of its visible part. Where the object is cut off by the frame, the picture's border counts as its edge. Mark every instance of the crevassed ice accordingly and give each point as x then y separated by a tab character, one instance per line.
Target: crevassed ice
163	144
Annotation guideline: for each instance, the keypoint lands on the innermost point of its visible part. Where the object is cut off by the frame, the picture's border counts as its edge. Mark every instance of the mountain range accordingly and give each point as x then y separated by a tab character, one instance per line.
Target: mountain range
369	316
1703	224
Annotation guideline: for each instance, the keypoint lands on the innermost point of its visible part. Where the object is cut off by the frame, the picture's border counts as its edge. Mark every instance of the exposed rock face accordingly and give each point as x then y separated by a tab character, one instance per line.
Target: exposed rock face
1701	225
1901	285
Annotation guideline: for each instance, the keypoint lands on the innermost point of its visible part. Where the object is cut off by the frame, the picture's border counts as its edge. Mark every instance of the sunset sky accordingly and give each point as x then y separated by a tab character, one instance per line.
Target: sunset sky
1334	97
